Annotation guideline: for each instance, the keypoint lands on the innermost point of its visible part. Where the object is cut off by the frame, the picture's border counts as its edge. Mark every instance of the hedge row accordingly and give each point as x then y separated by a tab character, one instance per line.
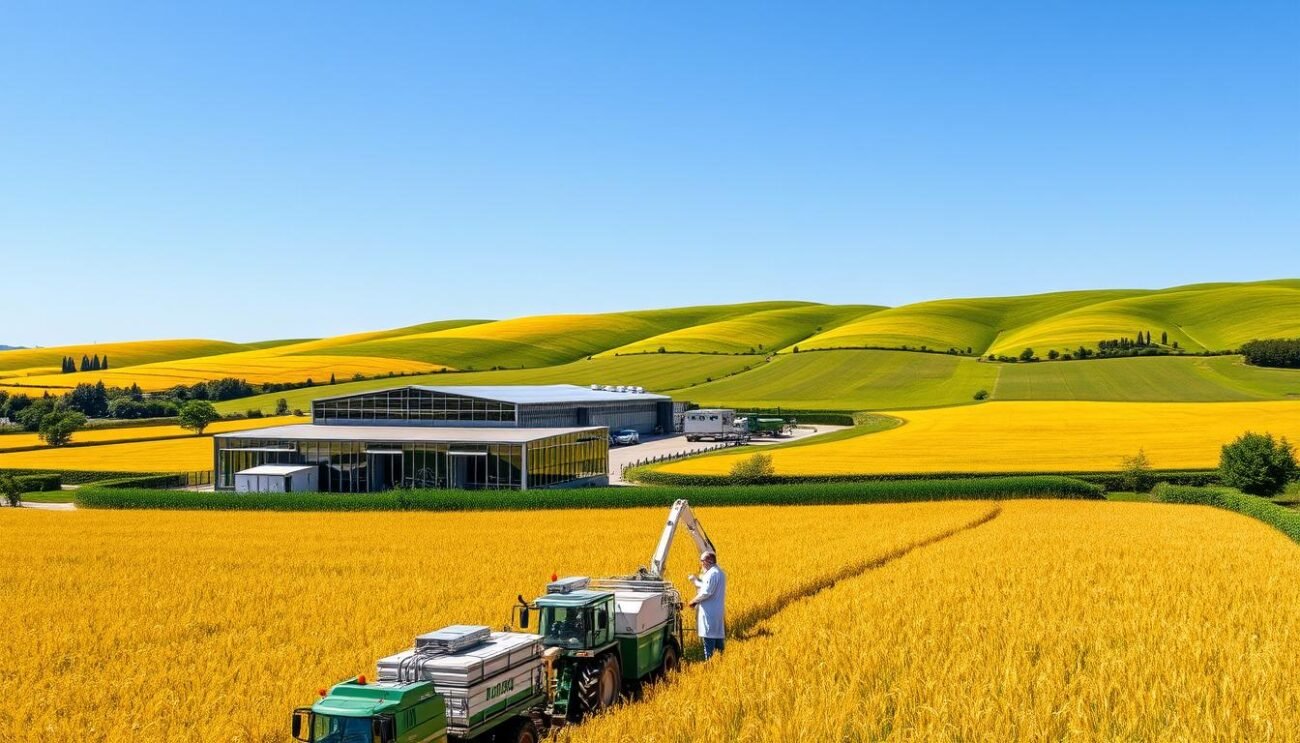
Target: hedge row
80	477
649	475
145	481
460	500
38	483
1281	518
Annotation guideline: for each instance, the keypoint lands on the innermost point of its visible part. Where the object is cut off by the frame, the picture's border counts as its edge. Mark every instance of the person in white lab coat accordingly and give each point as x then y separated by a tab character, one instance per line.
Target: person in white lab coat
709	604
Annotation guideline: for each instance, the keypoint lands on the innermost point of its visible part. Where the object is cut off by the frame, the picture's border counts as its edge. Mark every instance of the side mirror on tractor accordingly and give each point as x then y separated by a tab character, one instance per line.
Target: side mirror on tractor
521	613
302	724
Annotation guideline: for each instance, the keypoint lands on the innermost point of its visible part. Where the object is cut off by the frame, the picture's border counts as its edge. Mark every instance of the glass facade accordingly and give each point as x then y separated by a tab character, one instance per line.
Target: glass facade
371	466
414	406
566	458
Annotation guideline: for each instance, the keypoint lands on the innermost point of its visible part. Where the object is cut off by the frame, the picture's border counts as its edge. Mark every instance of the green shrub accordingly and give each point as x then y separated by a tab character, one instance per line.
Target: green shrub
982	395
754	470
1137	475
479	500
1281	518
1257	464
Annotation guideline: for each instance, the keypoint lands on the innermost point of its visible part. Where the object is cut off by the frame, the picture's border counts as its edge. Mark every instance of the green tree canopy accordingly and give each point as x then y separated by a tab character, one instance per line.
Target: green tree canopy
1258	464
57	428
195	415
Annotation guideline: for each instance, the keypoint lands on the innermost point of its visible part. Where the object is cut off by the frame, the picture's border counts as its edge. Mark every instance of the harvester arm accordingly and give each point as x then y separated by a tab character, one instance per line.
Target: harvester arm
680	515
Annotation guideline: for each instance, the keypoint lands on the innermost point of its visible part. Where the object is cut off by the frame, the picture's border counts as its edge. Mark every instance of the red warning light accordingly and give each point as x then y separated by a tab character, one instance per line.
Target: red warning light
555	577
321	691
361	679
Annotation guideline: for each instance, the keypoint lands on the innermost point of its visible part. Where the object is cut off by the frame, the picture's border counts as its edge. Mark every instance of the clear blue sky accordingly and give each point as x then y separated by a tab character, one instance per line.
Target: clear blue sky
263	169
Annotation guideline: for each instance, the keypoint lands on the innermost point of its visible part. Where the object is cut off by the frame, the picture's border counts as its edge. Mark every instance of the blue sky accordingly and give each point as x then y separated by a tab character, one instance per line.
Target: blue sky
263	169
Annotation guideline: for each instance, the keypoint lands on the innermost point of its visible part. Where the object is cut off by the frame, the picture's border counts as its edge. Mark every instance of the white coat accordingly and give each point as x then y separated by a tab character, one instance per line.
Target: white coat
709	603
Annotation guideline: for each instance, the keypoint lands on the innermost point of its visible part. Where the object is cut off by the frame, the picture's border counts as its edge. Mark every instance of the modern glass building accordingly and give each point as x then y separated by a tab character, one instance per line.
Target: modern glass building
501	406
497	438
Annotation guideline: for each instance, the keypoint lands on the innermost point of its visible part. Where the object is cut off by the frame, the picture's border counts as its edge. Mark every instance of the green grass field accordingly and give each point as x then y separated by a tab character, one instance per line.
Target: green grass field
850	380
656	372
1150	379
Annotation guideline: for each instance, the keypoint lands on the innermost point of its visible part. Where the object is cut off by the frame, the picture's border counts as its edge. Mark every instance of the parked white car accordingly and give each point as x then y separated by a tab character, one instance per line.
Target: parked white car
626	437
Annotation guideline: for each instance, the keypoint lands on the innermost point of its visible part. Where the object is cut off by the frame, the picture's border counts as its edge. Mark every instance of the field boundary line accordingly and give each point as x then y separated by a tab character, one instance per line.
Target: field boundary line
746	627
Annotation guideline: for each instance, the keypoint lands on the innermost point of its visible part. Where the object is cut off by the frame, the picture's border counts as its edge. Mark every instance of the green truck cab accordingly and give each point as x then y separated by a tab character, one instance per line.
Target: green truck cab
355	711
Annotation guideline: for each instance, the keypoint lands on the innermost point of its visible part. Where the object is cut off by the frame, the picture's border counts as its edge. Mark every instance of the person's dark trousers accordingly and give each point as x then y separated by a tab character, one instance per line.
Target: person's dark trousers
712	646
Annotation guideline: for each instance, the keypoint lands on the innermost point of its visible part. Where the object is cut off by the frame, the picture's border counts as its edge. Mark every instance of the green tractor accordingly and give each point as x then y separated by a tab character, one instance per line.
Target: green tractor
604	637
595	640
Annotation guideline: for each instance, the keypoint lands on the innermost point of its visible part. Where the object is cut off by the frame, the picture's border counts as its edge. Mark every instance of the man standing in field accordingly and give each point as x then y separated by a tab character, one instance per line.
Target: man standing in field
709	604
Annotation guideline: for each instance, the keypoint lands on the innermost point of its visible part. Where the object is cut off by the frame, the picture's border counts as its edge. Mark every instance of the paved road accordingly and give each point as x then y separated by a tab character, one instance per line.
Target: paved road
658	446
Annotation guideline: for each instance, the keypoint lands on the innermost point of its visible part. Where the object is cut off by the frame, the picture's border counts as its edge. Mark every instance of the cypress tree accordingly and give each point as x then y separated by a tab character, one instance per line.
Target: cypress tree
85	362
105	366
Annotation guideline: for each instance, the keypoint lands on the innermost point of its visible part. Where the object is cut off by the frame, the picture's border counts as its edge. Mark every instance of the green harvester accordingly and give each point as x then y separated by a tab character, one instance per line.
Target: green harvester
595	640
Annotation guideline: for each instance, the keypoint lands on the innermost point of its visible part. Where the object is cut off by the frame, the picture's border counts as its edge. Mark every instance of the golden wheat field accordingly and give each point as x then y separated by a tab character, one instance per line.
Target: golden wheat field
1031	437
136	433
256	367
165	626
1054	621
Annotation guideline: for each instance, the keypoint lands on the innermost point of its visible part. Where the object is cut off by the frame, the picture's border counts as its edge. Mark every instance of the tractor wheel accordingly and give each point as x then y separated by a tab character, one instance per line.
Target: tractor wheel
598	685
672	660
524	732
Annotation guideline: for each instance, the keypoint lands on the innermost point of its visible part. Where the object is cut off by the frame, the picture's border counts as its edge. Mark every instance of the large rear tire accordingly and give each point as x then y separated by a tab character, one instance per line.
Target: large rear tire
672	660
599	684
525	732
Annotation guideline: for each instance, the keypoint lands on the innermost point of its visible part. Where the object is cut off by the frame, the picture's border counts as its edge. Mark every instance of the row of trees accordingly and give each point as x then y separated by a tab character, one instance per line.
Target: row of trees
91	363
55	419
1280	352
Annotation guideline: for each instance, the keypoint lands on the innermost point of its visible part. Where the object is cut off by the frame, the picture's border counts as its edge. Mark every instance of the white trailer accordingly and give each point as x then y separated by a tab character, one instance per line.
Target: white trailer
718	424
277	478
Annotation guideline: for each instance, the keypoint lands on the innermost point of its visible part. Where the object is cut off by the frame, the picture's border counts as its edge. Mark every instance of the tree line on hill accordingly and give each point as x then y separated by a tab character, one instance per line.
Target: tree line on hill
88	363
1282	353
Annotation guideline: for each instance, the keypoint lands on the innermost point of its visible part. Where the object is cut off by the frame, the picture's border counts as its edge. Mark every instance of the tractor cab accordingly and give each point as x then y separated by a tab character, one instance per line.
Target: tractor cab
583	620
359	712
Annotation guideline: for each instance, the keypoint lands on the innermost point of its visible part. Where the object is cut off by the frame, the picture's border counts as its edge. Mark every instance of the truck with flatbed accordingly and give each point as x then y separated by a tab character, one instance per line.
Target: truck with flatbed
595	640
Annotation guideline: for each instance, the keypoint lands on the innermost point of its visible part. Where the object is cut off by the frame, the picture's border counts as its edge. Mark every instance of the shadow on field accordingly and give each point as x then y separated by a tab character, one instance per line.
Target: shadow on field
747	625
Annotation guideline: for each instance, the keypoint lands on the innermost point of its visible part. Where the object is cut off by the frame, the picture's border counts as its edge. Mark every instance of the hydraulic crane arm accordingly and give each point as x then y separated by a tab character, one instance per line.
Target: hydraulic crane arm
680	515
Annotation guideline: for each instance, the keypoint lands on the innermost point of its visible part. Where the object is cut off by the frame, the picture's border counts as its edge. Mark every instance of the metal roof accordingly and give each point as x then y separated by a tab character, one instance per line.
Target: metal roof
521	393
401	434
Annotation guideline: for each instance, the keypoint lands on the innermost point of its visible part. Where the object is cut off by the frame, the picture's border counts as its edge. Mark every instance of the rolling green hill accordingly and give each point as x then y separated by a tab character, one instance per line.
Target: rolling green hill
128	353
759	332
850	380
655	372
744	354
546	340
